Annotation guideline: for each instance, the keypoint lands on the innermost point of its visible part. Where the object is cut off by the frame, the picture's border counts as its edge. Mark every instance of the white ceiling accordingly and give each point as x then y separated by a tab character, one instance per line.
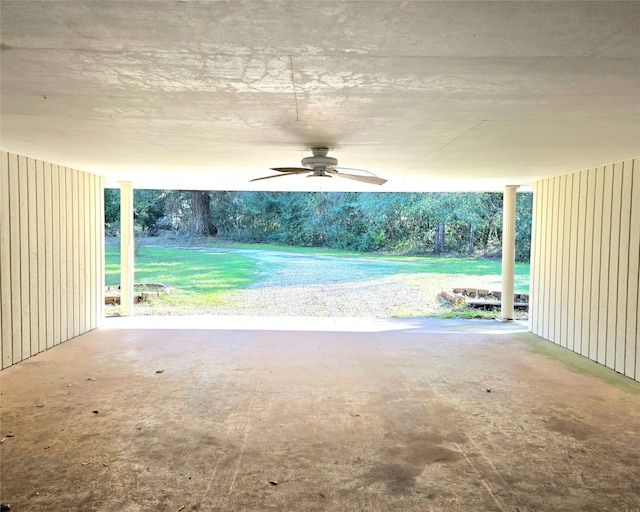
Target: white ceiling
429	95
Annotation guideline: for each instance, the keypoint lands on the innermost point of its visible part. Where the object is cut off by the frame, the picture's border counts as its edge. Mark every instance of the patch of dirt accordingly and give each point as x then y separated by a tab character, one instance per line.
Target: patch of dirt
400	295
570	427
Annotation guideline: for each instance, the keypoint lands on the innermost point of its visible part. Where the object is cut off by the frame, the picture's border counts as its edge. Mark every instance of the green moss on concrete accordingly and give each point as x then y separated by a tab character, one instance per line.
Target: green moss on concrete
584	366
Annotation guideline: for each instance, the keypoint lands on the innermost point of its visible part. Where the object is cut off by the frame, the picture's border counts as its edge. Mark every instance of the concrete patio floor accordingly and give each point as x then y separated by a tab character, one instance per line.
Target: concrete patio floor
306	414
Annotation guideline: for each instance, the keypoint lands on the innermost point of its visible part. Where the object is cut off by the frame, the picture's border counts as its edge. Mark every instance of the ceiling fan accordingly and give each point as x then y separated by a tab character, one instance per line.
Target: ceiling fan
321	165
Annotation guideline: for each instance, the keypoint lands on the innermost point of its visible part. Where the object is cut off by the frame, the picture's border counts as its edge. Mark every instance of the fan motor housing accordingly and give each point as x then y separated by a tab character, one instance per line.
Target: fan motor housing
319	161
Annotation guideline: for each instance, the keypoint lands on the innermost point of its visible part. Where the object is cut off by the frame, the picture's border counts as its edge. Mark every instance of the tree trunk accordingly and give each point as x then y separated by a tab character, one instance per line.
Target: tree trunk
201	208
440	248
471	239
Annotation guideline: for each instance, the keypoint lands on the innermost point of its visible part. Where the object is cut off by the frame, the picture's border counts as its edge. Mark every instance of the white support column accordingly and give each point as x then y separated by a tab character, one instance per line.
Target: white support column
508	251
101	252
126	248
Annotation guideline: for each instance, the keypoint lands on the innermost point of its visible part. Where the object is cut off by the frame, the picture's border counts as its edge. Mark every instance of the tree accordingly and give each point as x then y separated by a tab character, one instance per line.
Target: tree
524	211
111	209
201	224
444	211
148	209
417	223
440	245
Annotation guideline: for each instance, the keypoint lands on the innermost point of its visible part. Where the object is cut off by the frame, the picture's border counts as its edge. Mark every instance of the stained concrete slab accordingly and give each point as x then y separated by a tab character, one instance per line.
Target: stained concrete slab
317	414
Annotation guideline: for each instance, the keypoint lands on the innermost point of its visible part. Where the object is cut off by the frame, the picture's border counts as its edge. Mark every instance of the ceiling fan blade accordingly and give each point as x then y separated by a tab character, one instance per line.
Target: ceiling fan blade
277	175
358	171
373	180
291	170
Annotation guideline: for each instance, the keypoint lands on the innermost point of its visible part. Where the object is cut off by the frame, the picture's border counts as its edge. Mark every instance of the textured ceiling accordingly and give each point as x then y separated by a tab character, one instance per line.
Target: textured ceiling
429	95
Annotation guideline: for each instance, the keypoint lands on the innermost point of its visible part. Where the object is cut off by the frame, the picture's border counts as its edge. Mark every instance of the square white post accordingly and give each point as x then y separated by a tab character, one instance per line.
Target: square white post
126	248
508	252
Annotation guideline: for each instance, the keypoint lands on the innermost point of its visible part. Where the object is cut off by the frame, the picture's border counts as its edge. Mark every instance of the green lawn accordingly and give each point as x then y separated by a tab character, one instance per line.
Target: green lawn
421	264
200	277
432	264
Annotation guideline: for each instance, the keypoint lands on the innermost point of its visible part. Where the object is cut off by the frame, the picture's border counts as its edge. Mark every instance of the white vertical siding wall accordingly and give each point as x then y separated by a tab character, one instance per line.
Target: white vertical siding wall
586	264
51	255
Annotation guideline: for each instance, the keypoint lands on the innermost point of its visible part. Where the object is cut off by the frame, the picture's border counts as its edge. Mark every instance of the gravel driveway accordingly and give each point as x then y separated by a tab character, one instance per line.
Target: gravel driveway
314	285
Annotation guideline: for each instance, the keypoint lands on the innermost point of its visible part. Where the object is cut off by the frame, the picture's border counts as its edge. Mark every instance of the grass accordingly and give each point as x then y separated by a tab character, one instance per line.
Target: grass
422	264
198	277
469	313
201	277
437	264
454	312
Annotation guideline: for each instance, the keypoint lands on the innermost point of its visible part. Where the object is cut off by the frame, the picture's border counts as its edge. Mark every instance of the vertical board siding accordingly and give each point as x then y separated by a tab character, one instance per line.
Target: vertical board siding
23	219
586	264
69	256
41	258
62	283
6	330
57	268
570	266
75	265
563	334
92	290
605	269
549	271
535	263
581	219
596	258
85	252
14	245
620	312
560	312
543	213
614	259
33	254
51	244
632	356
48	252
533	302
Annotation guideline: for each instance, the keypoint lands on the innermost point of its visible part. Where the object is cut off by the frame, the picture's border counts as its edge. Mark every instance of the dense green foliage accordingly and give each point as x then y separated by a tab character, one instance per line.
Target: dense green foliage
149	207
391	222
